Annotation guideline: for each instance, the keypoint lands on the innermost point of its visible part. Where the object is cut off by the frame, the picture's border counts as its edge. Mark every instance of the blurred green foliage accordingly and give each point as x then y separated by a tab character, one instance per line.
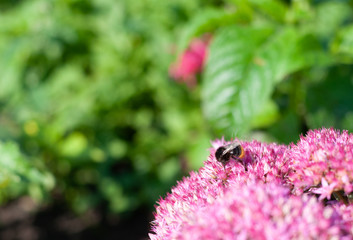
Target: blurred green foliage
18	174
85	93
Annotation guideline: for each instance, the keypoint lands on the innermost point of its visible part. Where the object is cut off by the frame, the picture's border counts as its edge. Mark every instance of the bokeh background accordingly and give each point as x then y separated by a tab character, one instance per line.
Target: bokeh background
93	127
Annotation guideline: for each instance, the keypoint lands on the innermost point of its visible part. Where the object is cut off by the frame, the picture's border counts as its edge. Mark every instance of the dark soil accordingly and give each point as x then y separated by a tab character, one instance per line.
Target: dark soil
24	220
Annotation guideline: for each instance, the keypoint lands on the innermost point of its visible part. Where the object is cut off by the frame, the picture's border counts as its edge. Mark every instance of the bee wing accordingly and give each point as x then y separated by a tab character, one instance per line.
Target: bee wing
231	146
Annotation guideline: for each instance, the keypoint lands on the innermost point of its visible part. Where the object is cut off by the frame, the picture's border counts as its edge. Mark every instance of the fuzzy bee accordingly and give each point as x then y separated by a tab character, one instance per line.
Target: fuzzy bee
226	152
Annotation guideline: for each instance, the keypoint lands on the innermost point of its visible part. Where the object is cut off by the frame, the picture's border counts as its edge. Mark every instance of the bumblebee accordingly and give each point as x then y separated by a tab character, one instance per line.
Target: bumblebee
226	152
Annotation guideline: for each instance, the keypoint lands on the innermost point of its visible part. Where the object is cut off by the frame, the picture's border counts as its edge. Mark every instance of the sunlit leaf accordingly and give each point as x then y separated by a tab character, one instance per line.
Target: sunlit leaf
330	16
343	43
244	65
274	9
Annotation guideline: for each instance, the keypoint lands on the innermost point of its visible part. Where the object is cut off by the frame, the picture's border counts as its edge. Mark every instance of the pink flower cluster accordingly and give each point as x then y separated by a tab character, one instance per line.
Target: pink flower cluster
322	162
274	192
190	62
261	211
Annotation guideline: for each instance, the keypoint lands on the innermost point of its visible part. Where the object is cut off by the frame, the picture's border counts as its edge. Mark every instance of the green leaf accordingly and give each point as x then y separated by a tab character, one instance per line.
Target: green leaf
266	116
274	9
207	21
244	65
11	58
300	12
343	44
330	16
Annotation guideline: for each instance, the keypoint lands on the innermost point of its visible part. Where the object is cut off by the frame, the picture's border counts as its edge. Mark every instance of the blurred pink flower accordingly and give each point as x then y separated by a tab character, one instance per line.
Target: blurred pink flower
323	159
190	62
346	212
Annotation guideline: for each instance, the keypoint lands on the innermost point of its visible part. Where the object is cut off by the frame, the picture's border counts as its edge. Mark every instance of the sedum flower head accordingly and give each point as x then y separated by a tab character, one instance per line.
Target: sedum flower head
322	162
257	211
252	197
265	163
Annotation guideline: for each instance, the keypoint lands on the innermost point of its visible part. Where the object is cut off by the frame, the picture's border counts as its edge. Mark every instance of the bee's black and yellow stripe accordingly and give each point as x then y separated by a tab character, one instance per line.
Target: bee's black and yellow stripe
238	152
225	153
